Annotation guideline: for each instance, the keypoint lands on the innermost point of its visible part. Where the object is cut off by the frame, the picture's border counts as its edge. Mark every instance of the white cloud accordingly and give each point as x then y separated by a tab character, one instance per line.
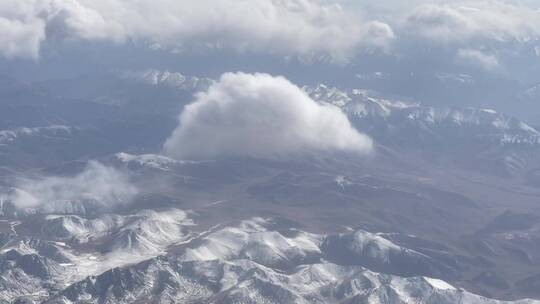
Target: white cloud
463	21
379	34
482	33
478	58
438	23
260	115
310	29
21	38
98	184
22	27
289	27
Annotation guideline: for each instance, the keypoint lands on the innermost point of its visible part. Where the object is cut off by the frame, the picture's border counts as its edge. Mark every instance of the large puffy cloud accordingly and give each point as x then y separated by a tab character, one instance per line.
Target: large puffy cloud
97	184
289	27
263	116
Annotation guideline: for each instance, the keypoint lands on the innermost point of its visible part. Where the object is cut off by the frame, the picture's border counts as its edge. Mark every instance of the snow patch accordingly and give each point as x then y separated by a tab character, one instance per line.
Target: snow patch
439	284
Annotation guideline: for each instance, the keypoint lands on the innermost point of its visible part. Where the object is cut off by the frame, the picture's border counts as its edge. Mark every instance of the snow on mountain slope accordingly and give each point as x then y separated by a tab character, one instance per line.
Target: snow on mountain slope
376	114
77	247
151	232
154	161
32	268
478	139
241	264
26	274
10	135
165	280
251	262
168	79
251	240
146	232
254	241
50	250
380	254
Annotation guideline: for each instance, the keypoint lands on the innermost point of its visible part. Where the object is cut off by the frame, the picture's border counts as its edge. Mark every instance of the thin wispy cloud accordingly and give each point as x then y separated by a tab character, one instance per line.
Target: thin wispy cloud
97	184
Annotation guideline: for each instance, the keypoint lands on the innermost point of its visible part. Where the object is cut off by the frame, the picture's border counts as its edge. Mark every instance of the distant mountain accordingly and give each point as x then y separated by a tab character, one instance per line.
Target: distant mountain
384	118
168	79
479	139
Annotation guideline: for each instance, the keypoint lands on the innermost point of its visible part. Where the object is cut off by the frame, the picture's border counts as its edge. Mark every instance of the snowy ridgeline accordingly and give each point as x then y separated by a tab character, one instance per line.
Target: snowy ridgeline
247	262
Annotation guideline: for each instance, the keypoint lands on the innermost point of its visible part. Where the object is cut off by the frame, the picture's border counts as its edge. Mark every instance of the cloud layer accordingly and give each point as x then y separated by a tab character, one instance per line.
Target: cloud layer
260	115
464	21
289	27
98	184
486	33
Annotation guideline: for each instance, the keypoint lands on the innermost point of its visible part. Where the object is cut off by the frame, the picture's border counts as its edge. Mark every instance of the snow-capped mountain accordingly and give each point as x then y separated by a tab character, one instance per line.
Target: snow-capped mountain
158	257
166	280
384	117
481	139
402	225
10	135
168	79
269	152
245	264
70	248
